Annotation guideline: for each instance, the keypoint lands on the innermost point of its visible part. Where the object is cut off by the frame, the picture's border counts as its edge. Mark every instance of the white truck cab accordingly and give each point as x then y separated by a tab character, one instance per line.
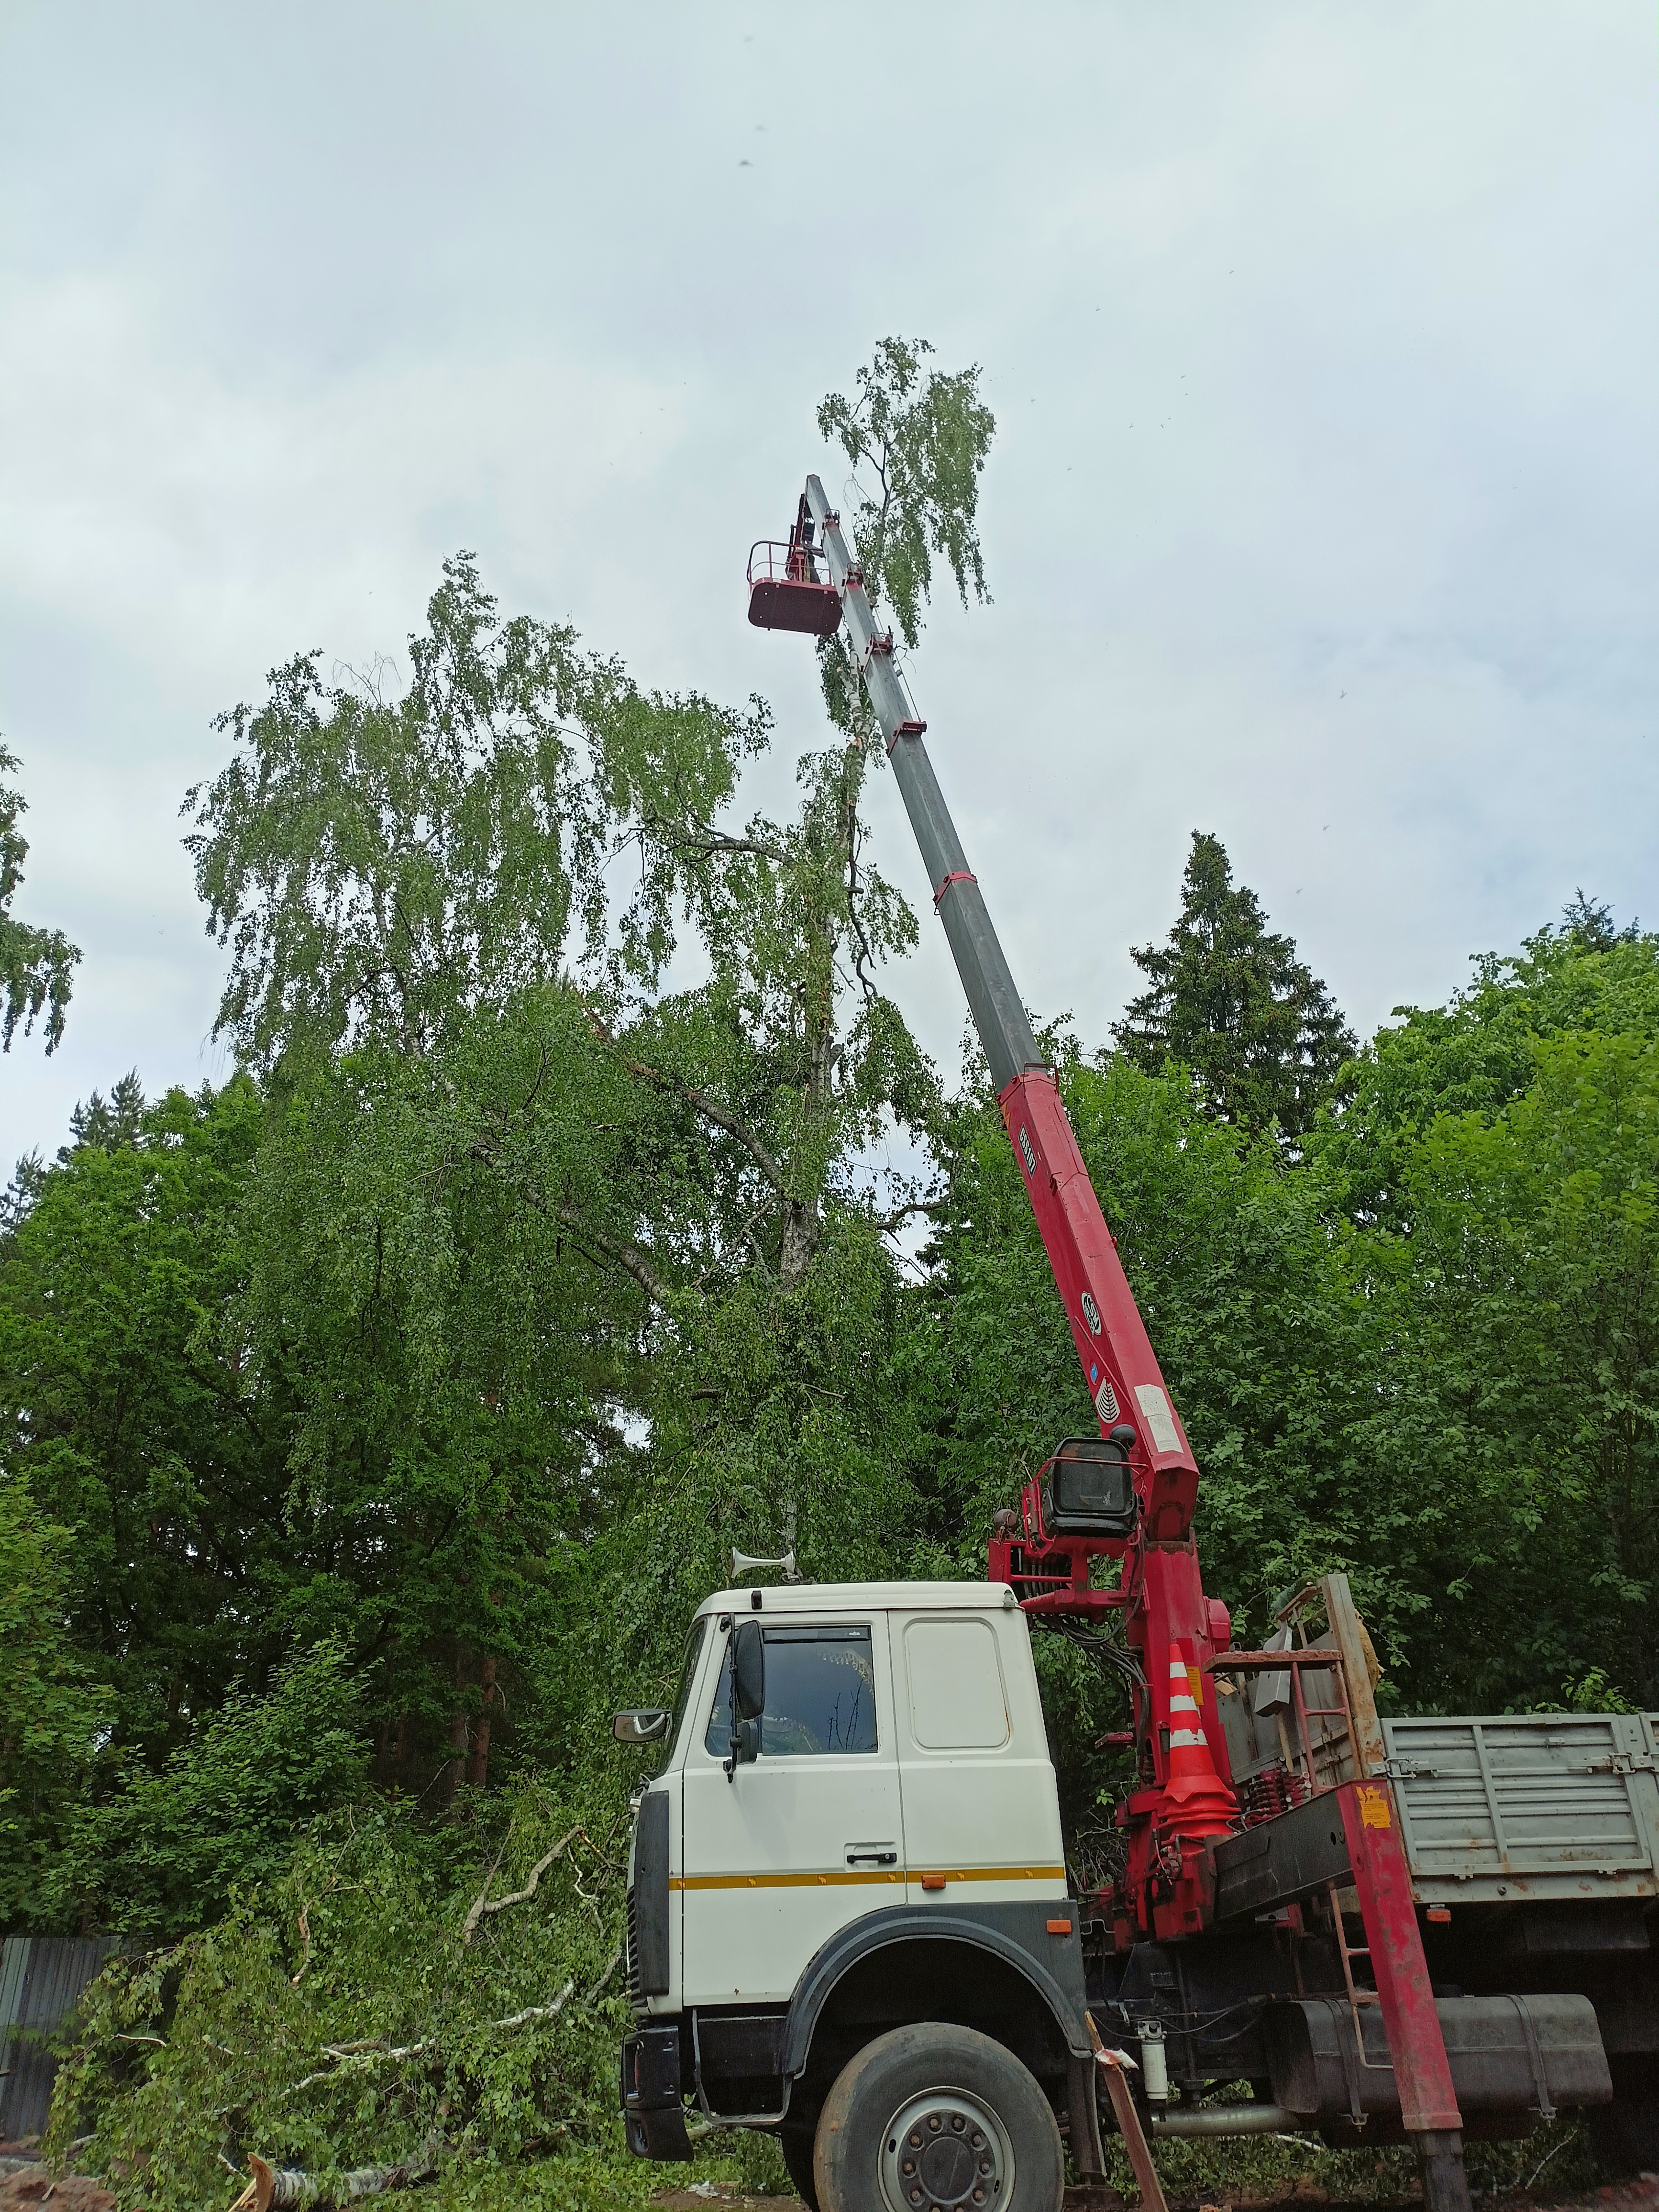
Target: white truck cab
855	1831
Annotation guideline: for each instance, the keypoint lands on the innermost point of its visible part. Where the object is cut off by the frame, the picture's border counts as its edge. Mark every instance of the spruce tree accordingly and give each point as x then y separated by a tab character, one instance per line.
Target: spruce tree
1230	1001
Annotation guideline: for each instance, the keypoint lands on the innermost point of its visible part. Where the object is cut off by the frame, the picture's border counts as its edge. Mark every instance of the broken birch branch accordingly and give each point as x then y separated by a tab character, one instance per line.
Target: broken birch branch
615	1961
537	2012
272	2186
372	2048
468	1927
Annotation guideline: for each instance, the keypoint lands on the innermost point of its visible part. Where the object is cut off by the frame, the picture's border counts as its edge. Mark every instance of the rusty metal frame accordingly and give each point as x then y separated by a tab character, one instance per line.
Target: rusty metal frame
1392	1949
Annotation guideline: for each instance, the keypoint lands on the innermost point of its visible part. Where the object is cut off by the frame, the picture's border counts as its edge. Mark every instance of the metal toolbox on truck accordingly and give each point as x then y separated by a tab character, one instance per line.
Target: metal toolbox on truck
1516	1806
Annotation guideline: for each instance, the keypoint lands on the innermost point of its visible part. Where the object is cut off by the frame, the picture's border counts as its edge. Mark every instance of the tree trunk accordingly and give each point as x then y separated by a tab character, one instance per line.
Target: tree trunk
801	1236
454	1768
477	1767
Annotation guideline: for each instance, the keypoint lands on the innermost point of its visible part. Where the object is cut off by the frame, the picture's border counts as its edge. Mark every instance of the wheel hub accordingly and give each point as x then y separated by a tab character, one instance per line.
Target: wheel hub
944	2151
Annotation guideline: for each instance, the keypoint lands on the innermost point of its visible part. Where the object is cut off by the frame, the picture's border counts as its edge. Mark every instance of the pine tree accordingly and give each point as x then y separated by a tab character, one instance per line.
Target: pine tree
1230	1001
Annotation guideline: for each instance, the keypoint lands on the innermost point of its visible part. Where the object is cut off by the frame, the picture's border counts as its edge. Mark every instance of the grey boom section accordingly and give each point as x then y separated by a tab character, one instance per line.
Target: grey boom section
997	1009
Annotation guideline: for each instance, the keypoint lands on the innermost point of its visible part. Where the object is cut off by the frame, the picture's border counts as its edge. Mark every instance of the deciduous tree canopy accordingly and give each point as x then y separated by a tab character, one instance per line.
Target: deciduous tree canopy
37	966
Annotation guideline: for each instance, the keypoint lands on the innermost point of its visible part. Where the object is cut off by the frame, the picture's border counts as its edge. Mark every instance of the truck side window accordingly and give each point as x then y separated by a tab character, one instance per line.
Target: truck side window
688	1675
820	1695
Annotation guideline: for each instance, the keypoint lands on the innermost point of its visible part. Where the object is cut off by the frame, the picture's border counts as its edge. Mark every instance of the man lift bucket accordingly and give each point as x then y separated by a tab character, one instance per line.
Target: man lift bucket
789	587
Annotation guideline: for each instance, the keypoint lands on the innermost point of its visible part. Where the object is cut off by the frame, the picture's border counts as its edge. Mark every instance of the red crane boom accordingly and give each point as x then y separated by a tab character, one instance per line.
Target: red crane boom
1129	1495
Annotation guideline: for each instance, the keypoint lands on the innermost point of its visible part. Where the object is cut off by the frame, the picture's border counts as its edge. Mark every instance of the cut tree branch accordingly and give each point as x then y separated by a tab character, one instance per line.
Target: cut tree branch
372	2048
519	1896
887	1222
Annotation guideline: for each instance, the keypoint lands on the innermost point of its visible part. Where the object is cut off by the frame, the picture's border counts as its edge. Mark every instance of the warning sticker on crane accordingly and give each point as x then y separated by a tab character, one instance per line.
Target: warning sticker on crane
1373	1803
1159	1417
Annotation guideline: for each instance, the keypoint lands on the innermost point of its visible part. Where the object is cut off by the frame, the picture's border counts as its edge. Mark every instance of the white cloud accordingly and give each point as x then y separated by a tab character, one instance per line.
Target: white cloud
1322	343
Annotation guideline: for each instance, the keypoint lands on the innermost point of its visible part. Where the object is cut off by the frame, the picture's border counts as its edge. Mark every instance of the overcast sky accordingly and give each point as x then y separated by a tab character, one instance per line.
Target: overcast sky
1321	514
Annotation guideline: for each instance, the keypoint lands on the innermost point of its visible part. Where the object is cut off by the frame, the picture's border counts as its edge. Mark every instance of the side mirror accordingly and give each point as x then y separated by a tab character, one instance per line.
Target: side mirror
749	1671
748	1694
644	1725
746	1744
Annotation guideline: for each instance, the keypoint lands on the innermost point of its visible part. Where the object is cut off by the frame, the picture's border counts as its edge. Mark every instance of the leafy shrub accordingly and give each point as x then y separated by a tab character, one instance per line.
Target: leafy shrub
340	2015
53	1712
167	1852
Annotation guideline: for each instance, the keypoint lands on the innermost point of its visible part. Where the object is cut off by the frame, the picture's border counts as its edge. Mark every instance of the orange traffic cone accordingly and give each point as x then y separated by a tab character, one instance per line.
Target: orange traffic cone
1197	1802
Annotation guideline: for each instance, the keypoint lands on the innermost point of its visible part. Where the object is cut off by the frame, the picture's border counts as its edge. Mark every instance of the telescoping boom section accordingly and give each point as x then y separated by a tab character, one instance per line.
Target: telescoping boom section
1129	1493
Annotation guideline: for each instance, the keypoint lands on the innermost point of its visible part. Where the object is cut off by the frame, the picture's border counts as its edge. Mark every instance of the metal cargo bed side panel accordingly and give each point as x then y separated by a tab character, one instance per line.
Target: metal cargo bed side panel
1510	1807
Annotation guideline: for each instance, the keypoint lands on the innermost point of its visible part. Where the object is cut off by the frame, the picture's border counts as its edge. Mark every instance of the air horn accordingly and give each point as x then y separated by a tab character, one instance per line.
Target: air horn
742	1566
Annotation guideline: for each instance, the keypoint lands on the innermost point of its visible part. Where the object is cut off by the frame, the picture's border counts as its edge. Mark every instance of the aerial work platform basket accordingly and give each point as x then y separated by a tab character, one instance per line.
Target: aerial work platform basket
789	585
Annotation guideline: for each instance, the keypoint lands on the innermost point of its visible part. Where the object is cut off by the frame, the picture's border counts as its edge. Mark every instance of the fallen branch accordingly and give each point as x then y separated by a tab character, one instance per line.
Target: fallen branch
295	1980
376	2047
519	1896
537	2011
615	1961
286	2185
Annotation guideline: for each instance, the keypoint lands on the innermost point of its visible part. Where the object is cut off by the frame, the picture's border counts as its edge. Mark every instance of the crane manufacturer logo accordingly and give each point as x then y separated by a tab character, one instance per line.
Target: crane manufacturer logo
1092	1314
1025	1152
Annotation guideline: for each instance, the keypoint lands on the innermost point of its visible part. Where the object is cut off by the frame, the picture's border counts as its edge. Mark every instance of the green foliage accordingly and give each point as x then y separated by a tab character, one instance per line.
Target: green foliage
1474	1054
1461	1418
1231	1001
339	2016
780	1421
166	1852
52	1714
1594	1694
1526	1295
132	1403
37	966
924	436
456	1357
377	864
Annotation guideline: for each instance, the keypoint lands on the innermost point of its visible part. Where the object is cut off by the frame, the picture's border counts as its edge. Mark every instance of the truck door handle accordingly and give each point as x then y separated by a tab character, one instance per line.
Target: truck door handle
874	1855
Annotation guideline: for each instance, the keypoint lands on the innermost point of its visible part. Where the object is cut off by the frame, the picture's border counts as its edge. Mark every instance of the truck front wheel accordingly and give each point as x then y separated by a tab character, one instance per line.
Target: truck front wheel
937	2119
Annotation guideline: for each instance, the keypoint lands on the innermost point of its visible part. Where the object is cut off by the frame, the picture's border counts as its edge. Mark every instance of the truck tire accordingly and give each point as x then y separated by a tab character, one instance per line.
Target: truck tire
796	2144
937	2119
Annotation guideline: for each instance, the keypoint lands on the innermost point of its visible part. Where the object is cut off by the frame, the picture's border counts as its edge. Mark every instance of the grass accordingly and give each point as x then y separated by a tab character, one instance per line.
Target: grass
1242	2171
603	2181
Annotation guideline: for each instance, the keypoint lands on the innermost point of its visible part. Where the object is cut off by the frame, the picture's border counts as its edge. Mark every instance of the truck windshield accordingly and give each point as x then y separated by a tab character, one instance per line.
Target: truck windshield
688	1675
820	1695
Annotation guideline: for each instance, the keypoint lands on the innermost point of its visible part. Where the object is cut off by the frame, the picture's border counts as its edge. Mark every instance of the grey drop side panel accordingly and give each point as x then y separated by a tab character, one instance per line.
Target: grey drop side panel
1512	1807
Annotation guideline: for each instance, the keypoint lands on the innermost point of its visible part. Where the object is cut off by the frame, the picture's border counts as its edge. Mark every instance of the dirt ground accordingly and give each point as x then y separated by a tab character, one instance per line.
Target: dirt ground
32	2189
25	2187
1641	2196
